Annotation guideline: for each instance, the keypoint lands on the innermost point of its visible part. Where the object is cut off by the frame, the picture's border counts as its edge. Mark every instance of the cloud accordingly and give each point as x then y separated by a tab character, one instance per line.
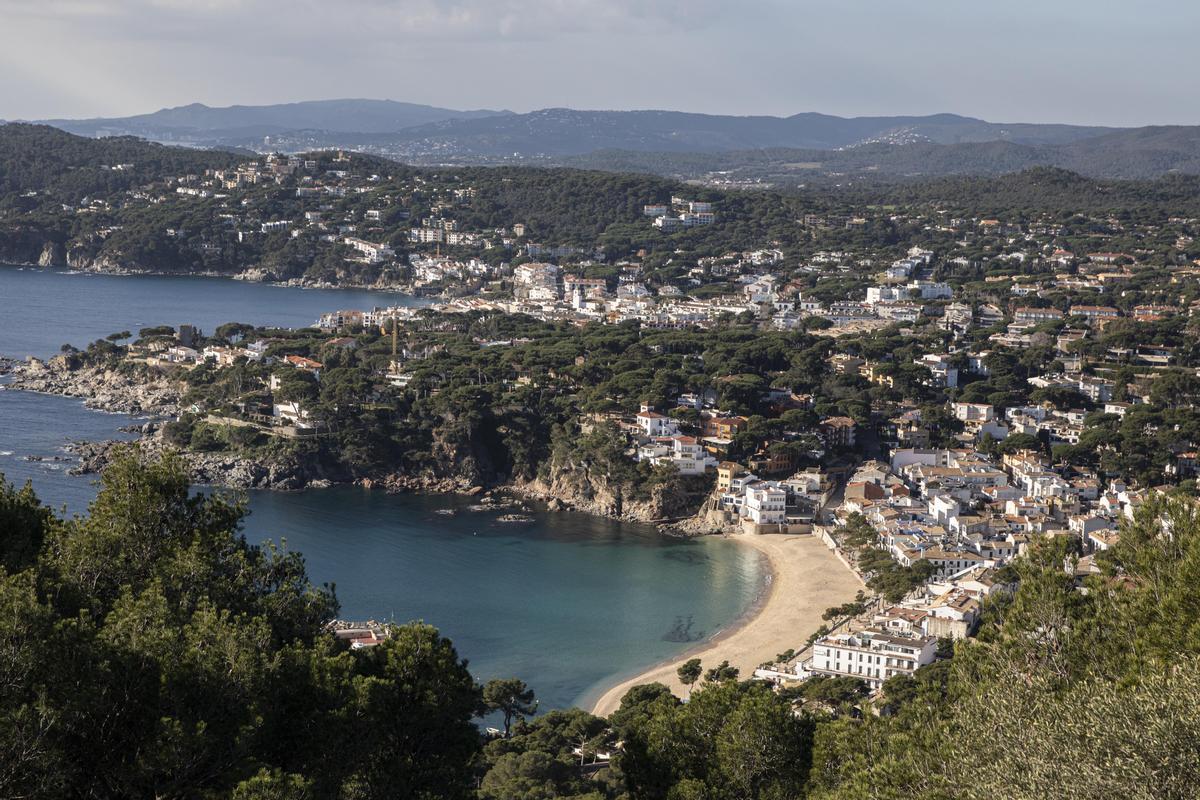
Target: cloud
307	21
1031	60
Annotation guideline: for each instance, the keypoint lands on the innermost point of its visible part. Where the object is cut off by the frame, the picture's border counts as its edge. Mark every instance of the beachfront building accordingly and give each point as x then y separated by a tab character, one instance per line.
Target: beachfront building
766	504
372	252
872	655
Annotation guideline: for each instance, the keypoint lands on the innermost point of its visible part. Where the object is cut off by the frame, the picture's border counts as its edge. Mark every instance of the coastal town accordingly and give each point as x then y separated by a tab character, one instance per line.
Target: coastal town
992	427
599	400
920	420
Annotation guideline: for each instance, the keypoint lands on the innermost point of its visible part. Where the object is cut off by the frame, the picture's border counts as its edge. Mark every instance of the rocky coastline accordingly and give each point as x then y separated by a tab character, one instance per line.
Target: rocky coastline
226	470
145	393
54	256
101	387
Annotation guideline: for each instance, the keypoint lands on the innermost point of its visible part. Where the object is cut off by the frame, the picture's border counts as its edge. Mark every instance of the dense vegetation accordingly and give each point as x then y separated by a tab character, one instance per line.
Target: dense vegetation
1141	155
1044	189
492	414
150	651
68	192
36	158
1075	687
494	398
65	199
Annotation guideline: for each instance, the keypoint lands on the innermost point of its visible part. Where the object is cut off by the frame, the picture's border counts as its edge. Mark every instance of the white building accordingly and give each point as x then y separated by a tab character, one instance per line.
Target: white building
766	504
872	655
931	290
655	425
944	373
886	294
536	274
372	252
292	413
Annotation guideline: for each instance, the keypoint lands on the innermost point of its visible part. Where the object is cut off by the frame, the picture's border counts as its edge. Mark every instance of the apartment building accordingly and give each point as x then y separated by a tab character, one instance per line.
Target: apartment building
872	655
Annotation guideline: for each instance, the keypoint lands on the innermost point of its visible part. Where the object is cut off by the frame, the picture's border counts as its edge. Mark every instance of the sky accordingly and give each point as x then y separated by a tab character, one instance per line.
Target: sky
1076	61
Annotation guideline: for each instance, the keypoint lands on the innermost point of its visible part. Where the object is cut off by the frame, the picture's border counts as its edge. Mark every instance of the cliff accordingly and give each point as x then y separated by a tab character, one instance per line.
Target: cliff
280	473
581	488
460	459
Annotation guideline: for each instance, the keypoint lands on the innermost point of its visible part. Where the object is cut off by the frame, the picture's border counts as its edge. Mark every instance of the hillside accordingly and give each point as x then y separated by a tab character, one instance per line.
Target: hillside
1127	154
128	205
562	131
125	205
36	158
553	131
787	151
204	124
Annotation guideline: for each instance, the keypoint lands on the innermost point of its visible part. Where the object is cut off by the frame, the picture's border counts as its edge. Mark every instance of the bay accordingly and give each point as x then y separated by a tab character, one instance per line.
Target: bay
42	309
567	602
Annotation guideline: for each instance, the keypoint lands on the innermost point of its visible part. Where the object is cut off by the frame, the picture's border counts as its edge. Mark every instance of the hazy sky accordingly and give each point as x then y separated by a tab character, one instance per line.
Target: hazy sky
1083	61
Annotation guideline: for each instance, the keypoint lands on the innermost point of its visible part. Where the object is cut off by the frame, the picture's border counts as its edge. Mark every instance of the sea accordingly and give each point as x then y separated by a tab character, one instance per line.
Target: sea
569	603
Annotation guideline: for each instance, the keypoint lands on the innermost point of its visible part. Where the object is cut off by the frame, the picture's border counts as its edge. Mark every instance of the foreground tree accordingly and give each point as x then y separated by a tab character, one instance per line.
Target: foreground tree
512	698
150	651
1089	688
730	741
689	672
721	672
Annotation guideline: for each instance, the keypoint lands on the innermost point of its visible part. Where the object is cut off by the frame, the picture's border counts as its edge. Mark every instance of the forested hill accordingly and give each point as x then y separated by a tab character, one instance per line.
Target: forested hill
1140	153
40	158
554	131
123	204
800	148
1043	189
127	205
206	124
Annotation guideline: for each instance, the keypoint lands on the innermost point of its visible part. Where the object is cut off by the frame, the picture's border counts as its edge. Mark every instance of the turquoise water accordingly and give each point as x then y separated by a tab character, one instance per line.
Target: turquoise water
566	602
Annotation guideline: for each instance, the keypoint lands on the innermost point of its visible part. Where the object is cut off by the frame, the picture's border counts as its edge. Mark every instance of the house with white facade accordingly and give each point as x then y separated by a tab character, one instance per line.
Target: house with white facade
872	655
655	425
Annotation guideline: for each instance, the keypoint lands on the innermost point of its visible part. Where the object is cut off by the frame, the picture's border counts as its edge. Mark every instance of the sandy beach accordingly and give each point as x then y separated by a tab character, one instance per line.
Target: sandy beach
807	579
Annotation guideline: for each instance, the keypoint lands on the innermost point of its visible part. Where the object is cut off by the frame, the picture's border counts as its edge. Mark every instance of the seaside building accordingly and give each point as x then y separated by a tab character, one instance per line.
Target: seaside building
872	655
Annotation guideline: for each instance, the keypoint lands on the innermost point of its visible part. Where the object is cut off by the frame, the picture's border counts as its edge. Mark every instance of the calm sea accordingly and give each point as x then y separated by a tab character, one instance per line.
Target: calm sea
566	602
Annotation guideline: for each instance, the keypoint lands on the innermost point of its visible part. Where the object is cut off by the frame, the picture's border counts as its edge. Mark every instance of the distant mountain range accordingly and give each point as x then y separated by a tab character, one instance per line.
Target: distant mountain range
801	148
564	131
1125	154
203	125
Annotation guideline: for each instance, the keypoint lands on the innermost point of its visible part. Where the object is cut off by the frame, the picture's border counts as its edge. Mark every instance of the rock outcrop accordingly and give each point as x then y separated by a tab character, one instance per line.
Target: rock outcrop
578	488
52	255
209	469
127	391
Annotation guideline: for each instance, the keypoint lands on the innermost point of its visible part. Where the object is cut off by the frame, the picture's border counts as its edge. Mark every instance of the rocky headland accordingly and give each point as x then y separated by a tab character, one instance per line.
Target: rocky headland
104	388
136	390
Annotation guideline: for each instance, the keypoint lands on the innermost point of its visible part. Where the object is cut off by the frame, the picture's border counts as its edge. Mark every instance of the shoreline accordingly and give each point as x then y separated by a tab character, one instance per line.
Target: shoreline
239	472
806	578
290	283
592	698
802	578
